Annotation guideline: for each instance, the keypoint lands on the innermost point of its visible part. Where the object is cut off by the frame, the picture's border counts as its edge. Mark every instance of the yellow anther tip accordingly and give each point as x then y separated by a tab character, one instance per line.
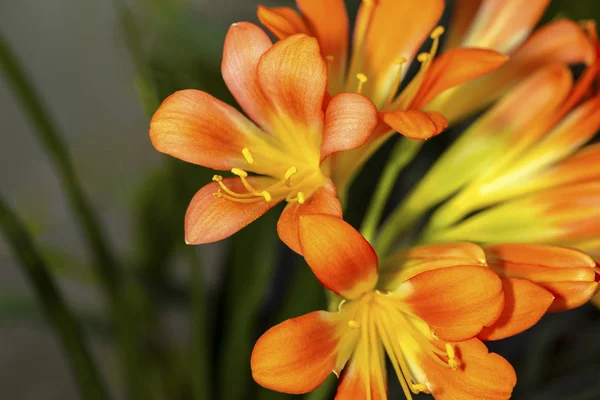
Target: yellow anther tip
437	32
291	171
361	77
239	172
419	388
301	198
217	178
267	196
450	350
423	57
453	364
247	155
400	60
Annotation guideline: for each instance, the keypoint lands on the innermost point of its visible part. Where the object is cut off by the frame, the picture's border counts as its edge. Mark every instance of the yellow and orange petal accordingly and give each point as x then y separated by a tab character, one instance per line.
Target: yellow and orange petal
210	217
338	255
480	375
525	303
282	21
570	275
323	201
456	302
297	355
195	127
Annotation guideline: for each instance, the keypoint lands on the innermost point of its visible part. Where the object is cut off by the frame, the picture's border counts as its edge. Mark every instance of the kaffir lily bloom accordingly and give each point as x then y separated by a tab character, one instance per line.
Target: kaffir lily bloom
386	38
505	26
428	308
282	88
526	160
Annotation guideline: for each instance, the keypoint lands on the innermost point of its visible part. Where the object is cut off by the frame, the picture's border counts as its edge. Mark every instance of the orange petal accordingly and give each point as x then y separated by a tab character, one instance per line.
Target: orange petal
282	21
559	41
525	303
453	68
244	44
321	202
328	22
293	77
349	121
582	166
570	295
365	376
297	355
480	375
383	45
504	24
569	274
338	255
405	264
415	124
195	127
210	218
450	303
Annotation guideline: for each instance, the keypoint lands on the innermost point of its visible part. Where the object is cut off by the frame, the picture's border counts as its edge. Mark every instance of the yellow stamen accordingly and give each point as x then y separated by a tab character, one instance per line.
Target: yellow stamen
217	178
239	172
341	304
437	32
288	174
362	78
300	197
451	357
266	195
247	155
419	388
398	78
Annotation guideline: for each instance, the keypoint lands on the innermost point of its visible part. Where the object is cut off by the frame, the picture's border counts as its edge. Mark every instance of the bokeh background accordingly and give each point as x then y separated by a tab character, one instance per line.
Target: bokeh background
100	68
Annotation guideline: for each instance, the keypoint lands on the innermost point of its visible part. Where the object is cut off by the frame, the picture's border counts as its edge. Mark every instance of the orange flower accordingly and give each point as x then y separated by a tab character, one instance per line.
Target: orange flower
427	309
282	88
530	163
386	38
505	26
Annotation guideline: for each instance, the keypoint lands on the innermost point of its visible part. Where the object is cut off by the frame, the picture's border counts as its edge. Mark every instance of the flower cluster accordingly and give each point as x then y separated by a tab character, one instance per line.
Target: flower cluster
318	107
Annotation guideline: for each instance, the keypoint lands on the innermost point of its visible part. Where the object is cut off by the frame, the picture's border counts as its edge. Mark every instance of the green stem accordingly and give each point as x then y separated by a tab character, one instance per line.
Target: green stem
105	264
323	392
403	153
82	366
401	219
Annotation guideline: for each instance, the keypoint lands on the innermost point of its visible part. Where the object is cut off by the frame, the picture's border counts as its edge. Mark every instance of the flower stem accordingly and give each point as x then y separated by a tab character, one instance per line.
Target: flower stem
404	152
82	366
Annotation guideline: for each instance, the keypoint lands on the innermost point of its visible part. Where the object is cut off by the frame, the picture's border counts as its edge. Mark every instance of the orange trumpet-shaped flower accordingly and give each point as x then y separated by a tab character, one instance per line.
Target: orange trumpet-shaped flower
386	38
282	88
427	308
571	276
505	26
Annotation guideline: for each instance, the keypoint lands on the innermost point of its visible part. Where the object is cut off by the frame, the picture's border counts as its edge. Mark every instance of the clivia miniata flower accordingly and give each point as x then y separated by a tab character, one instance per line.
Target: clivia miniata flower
385	41
281	88
427	308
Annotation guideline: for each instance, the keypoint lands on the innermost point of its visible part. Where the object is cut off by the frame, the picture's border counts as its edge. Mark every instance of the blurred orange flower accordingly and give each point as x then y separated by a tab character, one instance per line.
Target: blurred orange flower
428	308
386	38
282	88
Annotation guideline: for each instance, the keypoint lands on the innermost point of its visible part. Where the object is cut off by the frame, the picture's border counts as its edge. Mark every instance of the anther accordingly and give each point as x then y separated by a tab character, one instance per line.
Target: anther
239	172
437	32
291	171
247	155
353	324
300	197
419	388
451	357
217	178
423	57
267	196
362	78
